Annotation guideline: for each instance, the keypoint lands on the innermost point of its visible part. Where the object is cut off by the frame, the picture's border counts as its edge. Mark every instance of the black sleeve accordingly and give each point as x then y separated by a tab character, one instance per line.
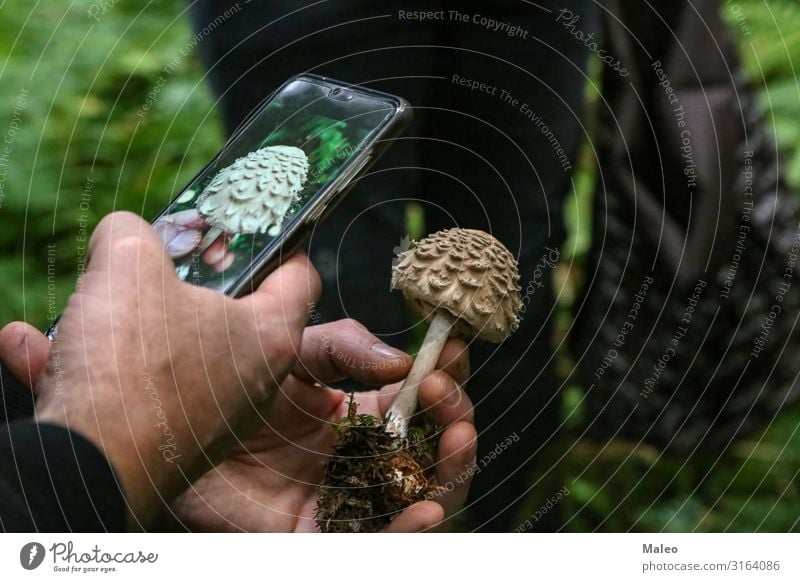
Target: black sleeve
54	480
16	400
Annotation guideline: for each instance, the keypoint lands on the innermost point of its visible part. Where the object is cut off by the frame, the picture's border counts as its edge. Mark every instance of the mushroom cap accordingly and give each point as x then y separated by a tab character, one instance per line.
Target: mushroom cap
469	274
254	193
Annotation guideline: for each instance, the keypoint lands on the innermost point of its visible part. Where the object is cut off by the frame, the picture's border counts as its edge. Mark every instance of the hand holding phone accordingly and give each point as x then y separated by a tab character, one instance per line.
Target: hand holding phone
292	160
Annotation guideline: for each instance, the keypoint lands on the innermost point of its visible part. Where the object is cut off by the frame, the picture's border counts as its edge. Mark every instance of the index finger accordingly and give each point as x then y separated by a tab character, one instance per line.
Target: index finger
346	349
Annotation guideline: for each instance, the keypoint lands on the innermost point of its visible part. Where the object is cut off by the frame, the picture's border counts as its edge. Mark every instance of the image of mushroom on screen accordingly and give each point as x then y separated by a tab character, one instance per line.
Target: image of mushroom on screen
216	227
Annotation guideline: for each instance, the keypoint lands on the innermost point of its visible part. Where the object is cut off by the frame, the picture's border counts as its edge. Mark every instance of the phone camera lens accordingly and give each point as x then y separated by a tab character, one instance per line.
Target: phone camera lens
339	94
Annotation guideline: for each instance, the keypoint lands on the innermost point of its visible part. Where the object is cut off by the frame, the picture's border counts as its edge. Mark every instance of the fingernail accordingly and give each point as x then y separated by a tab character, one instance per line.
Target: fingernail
387	351
454	398
472	453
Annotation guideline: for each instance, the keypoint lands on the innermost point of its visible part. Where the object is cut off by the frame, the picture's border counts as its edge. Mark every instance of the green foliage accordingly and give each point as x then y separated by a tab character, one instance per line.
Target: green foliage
83	149
621	486
769	36
353	418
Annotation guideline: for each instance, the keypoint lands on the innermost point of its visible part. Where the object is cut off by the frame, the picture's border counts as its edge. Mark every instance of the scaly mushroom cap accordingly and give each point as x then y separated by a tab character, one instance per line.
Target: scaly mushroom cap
253	194
468	273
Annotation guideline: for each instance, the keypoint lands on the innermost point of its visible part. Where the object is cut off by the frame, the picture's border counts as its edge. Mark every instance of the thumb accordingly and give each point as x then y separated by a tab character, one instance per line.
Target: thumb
290	291
123	241
24	351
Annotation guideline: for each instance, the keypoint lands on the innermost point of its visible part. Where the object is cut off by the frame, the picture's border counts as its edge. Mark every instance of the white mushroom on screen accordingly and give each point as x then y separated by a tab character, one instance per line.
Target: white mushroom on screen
466	283
253	195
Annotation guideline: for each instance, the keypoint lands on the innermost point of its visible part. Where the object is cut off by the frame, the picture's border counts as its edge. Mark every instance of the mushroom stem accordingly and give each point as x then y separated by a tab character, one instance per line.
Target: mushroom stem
208	238
405	403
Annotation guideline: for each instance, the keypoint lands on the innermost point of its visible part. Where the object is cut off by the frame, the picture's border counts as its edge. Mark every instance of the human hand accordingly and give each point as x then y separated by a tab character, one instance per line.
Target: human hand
270	481
159	374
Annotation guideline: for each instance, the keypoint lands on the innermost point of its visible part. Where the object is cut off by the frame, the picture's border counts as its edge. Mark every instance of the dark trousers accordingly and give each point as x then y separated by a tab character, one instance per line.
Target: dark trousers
497	157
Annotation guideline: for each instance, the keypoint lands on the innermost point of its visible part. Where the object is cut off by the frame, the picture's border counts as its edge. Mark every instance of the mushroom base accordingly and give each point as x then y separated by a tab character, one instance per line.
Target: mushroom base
372	476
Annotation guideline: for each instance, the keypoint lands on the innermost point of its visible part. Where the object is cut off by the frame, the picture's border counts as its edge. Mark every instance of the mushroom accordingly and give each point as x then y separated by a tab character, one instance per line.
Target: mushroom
254	193
466	283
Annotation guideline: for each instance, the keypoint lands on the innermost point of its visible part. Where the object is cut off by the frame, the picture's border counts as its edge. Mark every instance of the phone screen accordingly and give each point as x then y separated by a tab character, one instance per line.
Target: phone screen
272	170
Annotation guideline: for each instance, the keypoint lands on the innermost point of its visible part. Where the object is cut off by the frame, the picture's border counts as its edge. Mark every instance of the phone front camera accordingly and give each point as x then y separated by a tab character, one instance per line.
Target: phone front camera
339	94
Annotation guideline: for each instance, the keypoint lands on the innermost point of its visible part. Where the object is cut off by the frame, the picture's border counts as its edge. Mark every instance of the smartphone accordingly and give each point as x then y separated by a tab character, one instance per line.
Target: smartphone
276	178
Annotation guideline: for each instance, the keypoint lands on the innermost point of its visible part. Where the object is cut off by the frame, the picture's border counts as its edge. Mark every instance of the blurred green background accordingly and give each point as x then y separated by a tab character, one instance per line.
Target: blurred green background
107	113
